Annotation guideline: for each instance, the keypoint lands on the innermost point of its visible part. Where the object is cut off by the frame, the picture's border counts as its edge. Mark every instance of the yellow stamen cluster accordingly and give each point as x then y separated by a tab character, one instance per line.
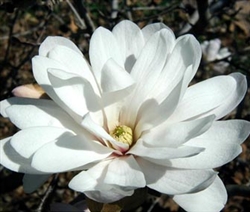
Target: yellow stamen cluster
123	134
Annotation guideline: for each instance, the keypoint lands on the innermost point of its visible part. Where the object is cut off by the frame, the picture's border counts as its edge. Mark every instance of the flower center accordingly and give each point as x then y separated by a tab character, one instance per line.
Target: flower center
123	134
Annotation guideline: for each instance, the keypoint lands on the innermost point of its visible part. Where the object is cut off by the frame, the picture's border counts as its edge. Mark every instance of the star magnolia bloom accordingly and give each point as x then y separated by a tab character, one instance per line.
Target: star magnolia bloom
129	120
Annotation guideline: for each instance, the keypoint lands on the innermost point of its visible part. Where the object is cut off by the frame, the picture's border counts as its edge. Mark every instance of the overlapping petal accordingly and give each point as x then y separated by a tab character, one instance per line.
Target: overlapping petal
213	198
68	152
203	97
13	160
103	46
221	142
54	41
141	149
174	135
25	113
124	171
130	40
100	132
26	142
175	181
75	92
91	183
114	77
146	71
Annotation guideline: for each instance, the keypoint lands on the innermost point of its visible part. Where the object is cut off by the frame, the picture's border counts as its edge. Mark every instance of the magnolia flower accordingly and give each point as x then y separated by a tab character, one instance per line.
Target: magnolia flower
128	119
212	51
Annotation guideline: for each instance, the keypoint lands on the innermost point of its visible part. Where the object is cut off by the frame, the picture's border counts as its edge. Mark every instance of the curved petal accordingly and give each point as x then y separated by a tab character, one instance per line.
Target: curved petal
150	29
114	77
75	92
212	198
124	171
89	180
98	131
26	142
25	113
182	64
152	114
130	40
32	182
234	99
53	41
203	97
40	66
221	142
174	135
113	103
4	104
103	46
68	152
175	181
13	161
91	184
162	153
229	131
74	62
146	71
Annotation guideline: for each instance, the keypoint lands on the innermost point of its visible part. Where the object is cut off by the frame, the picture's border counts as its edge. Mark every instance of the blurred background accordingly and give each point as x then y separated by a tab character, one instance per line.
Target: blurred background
221	26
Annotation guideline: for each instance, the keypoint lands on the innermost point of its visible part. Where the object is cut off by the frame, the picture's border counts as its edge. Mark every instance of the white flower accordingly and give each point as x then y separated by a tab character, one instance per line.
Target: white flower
129	120
212	51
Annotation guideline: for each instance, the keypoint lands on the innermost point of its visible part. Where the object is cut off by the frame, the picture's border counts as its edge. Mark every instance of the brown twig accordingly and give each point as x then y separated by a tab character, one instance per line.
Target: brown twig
44	205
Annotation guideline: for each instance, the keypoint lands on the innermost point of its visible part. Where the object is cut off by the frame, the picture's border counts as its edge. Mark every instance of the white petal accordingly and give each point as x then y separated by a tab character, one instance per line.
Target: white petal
67	153
174	135
152	114
75	92
25	113
130	40
32	182
175	181
182	64
89	180
98	131
113	103
191	52
230	131
212	198
108	194
40	66
124	171
235	98
73	62
114	77
162	153
103	46
26	142
150	29
221	142
203	97
13	161
91	184
146	71
53	41
153	57
4	104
